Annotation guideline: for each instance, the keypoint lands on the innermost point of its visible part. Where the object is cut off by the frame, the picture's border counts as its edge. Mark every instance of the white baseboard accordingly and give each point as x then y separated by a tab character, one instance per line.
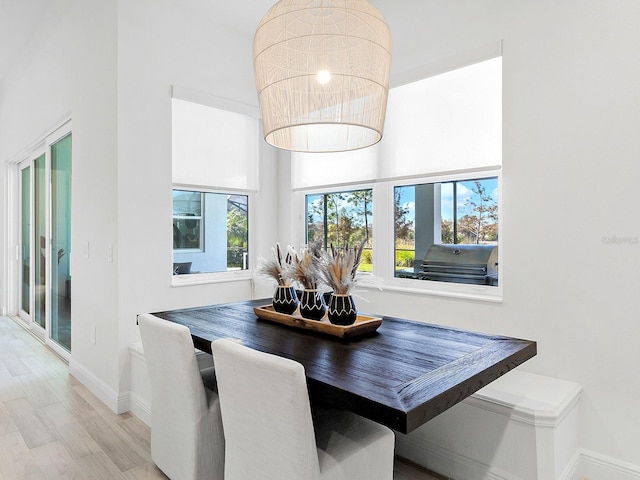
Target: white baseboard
590	465
572	470
585	464
139	403
140	408
445	461
119	403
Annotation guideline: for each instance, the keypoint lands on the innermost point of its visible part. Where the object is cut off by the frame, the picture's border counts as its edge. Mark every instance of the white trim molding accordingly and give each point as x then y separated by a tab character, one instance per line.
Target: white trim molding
588	465
139	403
522	426
116	402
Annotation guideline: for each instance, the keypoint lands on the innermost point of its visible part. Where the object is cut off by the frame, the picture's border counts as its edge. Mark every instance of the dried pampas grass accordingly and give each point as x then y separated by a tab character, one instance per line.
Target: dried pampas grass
276	266
305	266
340	268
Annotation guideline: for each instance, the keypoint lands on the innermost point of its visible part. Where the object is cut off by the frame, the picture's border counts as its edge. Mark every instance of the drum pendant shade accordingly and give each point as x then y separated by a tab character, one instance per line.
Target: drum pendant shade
322	74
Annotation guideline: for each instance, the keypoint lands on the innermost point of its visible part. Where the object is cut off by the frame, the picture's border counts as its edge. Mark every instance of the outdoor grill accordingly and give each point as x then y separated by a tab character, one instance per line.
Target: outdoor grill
475	264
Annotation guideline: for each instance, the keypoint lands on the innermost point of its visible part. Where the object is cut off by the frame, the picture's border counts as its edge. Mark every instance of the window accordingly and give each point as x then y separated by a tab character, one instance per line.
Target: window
435	179
340	219
210	232
461	212
215	143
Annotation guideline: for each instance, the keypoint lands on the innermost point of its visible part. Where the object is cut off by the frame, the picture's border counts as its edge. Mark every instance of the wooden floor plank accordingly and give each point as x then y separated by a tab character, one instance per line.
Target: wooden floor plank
139	436
98	466
96	405
29	423
148	471
69	431
6	424
113	442
37	390
68	397
16	461
54	461
10	387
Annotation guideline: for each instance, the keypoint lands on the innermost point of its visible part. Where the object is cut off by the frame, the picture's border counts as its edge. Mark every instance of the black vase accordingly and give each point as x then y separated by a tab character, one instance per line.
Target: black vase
342	309
312	305
285	300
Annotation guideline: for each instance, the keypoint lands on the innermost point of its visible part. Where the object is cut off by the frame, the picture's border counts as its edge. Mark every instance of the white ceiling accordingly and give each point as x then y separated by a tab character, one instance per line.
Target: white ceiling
20	19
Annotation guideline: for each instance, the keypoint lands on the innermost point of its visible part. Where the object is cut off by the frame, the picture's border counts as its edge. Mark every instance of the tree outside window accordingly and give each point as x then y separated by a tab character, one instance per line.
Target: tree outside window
341	219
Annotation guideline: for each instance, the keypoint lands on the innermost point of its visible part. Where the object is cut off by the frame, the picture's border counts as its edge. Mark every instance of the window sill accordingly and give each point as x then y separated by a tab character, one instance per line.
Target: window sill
206	278
483	293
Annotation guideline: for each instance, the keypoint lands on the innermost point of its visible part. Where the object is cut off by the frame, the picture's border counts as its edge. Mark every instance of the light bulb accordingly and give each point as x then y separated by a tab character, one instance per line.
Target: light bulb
324	76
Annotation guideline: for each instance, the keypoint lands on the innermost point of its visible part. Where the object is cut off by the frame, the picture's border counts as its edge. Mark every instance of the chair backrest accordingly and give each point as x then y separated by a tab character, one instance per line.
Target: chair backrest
178	398
265	413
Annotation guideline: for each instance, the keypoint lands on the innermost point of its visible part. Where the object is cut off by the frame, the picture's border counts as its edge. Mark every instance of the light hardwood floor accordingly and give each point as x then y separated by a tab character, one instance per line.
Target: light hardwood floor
52	427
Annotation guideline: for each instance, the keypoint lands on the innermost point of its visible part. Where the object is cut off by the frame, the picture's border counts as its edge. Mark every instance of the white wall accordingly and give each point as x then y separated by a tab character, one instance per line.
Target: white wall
69	69
162	44
570	235
570	161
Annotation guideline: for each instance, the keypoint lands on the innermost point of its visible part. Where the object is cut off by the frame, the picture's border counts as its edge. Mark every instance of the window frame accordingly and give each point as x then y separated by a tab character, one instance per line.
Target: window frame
183	280
450	289
200	217
383	242
326	193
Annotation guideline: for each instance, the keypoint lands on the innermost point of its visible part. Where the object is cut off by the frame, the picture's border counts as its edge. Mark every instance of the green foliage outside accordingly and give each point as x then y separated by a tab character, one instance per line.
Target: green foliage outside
405	258
340	219
366	265
237	231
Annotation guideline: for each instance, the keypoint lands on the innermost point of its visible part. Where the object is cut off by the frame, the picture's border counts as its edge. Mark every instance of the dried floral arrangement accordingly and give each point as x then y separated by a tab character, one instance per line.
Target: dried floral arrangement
305	266
276	266
340	266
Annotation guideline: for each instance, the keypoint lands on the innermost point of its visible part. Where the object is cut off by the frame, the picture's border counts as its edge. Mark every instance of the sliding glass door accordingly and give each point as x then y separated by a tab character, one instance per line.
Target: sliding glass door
61	242
45	239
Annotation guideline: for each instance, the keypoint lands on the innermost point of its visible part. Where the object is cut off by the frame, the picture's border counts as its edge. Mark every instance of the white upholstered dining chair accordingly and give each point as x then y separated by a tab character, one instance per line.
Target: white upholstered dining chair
269	430
187	441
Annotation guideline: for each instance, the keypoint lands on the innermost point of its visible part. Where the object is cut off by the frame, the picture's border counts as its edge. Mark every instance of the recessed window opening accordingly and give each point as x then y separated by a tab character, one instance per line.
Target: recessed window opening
214	172
447	231
436	182
342	219
210	232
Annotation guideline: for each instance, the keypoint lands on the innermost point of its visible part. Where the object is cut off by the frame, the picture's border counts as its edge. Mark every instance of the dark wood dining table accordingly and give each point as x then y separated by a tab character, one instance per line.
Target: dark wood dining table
402	375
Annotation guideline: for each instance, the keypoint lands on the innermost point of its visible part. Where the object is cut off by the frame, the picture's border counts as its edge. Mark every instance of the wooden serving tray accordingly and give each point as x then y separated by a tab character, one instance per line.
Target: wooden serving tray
363	324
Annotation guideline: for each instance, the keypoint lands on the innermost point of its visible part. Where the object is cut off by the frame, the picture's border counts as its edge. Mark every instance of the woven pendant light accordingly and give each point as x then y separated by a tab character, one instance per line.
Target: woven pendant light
322	74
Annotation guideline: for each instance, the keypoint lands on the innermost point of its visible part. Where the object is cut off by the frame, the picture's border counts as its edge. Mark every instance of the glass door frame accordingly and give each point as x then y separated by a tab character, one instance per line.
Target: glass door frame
25	164
42	148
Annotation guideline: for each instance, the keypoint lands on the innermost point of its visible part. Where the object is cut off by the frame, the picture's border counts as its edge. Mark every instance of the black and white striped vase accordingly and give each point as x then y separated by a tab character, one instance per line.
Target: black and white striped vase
342	309
285	299
312	305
